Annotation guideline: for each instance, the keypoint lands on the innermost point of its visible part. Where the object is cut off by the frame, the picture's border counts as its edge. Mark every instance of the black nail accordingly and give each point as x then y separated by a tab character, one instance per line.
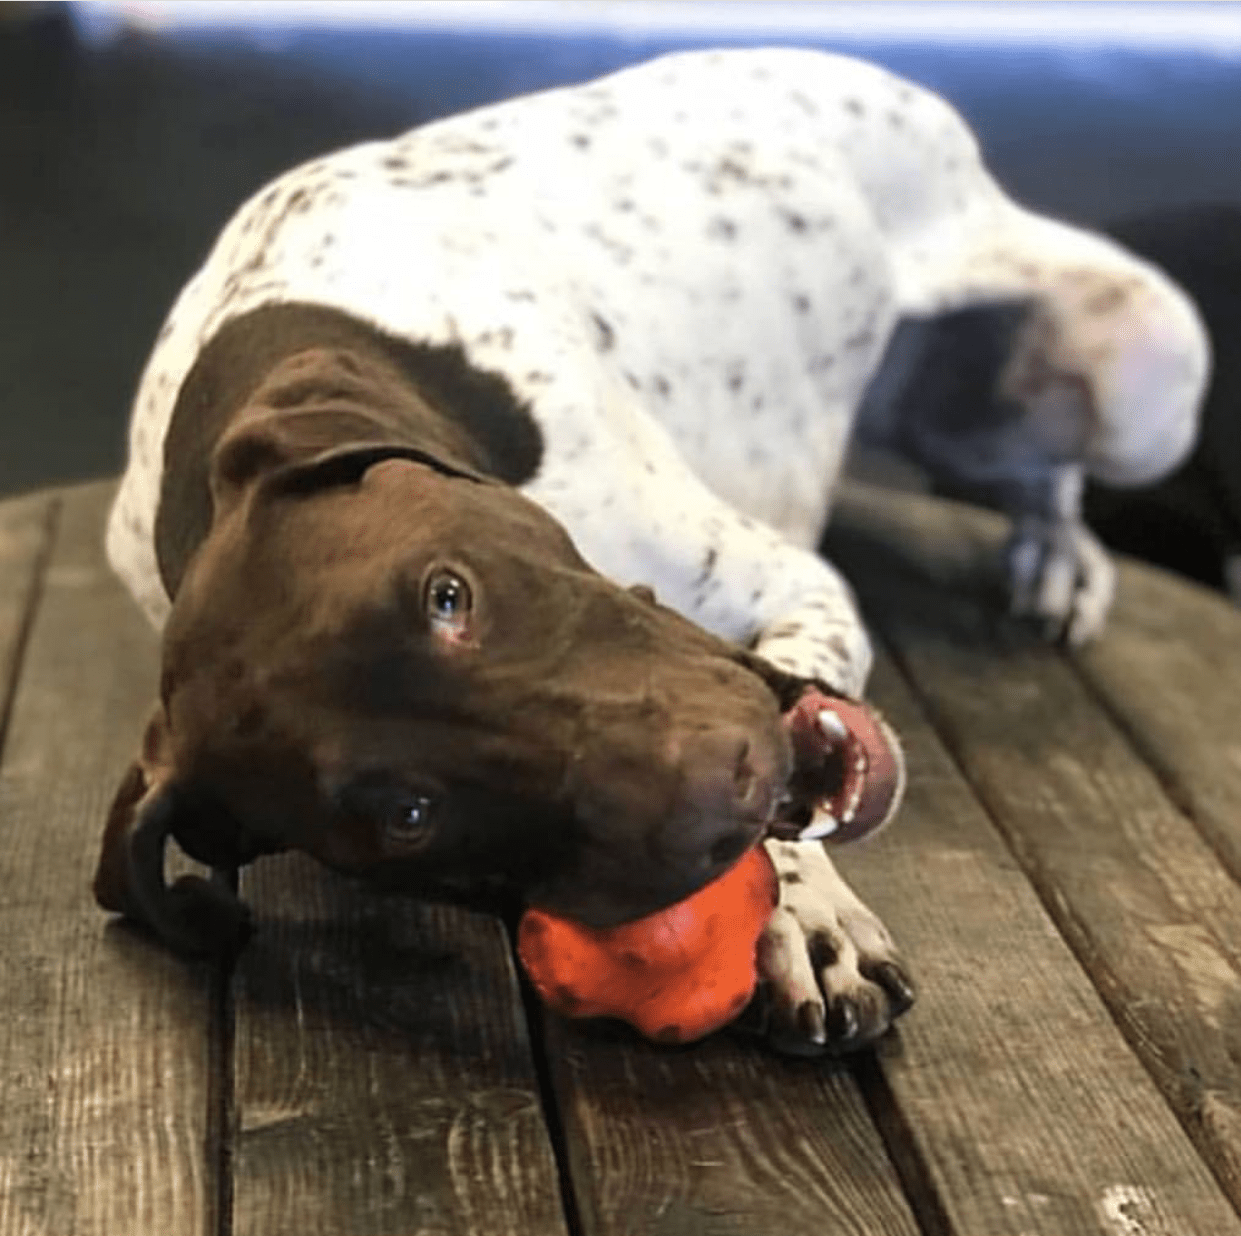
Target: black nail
845	1020
810	1021
896	983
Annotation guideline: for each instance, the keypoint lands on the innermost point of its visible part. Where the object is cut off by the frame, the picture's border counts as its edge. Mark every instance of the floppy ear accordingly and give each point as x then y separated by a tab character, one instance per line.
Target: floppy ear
292	454
193	916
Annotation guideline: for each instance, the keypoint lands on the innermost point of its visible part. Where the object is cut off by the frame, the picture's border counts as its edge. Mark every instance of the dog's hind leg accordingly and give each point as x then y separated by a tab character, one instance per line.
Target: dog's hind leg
1103	373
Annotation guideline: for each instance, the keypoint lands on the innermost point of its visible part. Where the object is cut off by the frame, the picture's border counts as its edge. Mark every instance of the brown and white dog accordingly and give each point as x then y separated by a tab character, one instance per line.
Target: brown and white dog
438	414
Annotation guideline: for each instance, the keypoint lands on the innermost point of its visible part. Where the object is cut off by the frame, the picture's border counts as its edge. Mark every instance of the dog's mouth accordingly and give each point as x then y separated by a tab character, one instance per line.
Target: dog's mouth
848	772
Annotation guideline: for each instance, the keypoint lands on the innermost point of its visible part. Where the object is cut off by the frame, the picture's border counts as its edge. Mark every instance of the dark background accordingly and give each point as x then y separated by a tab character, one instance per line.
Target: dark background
121	156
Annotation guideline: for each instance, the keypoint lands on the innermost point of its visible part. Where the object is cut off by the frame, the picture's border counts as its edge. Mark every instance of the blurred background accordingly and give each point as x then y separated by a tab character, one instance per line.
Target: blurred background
130	132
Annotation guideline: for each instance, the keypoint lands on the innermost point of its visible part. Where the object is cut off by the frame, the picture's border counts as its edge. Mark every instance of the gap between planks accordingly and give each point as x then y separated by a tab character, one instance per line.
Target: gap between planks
1188	735
26	608
225	1119
103	1043
892	1124
910	544
1017	1087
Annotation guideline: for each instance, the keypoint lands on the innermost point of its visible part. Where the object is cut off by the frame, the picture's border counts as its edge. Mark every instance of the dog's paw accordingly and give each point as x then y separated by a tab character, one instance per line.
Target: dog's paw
1061	577
849	771
830	978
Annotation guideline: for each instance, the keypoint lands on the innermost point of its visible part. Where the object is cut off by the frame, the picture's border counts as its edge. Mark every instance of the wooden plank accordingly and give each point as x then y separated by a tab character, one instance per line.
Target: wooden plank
721	1138
1170	669
384	1078
1139	897
26	528
104	1045
1024	1102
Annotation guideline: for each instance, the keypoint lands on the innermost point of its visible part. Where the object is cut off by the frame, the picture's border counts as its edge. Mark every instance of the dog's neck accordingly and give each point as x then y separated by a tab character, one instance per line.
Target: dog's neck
293	358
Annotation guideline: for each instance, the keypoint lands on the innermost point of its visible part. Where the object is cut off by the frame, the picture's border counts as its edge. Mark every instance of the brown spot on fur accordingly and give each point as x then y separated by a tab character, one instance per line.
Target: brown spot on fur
1106	300
605	336
823	951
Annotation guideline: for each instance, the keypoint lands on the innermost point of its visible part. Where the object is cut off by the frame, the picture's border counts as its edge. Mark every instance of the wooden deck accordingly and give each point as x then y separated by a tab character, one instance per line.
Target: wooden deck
1063	879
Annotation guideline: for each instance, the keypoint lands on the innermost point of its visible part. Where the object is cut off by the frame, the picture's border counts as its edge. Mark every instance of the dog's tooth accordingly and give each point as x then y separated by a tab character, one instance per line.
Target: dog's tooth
850	812
833	728
859	765
822	824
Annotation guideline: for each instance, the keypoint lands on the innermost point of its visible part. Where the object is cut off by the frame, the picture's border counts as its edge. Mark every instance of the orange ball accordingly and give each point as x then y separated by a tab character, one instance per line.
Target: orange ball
675	975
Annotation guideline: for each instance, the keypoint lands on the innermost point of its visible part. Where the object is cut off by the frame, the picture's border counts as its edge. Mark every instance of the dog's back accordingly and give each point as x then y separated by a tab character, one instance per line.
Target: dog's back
695	264
708	239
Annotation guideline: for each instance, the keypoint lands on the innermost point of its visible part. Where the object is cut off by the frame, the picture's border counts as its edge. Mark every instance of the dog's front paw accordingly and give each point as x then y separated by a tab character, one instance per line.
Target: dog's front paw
1060	576
830	978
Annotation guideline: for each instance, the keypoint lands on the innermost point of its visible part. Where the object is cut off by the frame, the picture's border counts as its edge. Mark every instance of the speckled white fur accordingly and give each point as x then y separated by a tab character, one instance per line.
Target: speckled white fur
690	271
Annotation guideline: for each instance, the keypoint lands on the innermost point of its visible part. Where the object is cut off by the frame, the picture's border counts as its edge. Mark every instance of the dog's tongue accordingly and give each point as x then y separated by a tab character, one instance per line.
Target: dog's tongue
846	746
675	975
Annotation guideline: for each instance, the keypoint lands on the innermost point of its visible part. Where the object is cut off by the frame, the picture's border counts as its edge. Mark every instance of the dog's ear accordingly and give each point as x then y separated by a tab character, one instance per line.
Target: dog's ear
292	454
194	916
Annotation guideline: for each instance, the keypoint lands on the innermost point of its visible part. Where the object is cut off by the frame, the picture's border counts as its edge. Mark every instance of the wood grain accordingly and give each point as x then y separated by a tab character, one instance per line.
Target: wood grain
1136	893
104	1042
1024	1101
384	1081
721	1138
26	530
1171	670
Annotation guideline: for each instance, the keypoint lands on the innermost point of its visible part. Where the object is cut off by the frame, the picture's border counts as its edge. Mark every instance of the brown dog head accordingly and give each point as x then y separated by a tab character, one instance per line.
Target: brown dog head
406	669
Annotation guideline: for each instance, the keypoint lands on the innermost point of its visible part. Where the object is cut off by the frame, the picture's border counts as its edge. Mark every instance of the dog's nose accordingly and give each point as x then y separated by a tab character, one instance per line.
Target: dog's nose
729	785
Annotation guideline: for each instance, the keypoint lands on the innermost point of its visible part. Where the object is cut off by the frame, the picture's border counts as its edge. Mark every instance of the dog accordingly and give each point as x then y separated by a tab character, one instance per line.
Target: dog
476	478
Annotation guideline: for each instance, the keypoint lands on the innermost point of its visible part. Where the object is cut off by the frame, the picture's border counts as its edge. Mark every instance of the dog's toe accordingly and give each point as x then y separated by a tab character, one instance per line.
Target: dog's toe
830	1022
863	999
1061	577
897	985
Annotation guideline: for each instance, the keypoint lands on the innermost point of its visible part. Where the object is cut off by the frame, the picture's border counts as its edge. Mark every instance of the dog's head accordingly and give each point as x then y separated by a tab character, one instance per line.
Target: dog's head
407	670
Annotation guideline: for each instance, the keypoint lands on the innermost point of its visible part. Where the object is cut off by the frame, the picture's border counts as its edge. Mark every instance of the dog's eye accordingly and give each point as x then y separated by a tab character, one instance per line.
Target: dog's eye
448	603
408	824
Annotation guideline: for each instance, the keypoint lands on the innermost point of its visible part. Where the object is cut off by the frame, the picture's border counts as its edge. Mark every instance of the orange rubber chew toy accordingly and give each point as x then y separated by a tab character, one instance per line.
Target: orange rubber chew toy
675	975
